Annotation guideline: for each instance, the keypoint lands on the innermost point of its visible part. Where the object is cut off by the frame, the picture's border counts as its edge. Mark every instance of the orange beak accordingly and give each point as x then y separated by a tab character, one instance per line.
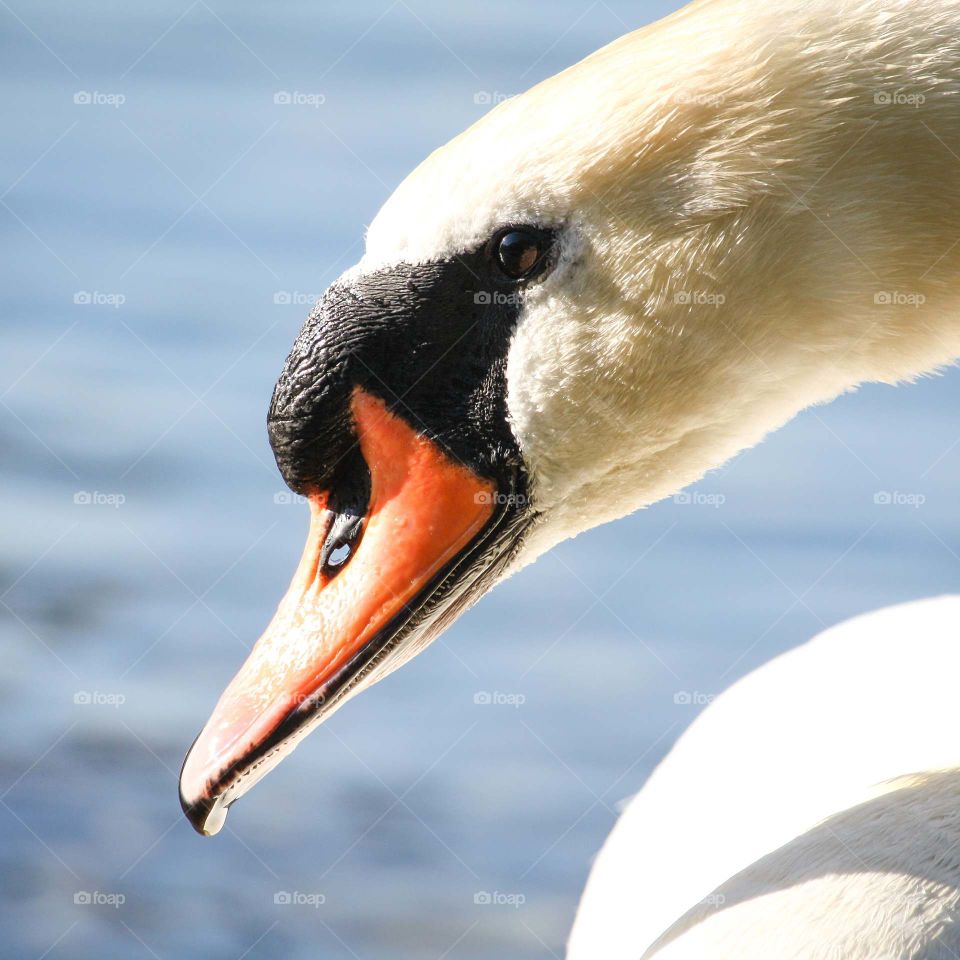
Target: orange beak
337	628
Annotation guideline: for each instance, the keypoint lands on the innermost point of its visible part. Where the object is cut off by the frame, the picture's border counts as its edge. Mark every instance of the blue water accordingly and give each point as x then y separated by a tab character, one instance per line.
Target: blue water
200	218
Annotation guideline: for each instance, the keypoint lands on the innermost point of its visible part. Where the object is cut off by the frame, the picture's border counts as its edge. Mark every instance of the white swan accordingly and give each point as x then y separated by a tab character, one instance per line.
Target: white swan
603	289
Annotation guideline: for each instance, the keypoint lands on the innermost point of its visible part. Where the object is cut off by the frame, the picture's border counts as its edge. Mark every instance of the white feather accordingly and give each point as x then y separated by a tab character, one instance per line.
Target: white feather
812	811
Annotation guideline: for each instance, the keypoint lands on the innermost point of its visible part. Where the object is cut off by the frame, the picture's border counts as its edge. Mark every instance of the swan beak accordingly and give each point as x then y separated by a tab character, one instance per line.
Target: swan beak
342	619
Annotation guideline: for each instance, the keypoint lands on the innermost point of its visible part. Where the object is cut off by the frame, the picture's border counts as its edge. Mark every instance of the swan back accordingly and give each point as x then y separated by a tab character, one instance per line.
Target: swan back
879	880
829	730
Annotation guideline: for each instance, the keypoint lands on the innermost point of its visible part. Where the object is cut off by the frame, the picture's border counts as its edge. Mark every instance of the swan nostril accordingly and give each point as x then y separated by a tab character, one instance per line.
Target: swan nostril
341	542
349	502
340	555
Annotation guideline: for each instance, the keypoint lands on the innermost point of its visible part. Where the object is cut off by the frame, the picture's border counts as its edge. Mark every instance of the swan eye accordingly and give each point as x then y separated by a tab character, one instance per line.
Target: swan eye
519	252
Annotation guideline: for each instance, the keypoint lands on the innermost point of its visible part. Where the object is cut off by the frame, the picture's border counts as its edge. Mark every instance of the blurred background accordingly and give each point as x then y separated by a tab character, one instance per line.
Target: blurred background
180	181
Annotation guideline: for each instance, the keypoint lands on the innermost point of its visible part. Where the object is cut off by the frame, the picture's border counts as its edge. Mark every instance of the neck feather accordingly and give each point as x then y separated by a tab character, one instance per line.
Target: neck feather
778	224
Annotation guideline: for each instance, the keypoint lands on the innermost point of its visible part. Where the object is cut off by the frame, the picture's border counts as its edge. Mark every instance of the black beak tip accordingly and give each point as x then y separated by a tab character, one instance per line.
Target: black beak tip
198	813
206	814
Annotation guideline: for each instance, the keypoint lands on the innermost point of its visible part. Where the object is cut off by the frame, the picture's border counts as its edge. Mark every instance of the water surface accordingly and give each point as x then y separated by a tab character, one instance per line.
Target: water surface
160	256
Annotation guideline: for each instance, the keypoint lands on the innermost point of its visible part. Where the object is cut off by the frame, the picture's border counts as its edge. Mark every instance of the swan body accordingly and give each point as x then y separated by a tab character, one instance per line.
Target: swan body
606	287
811	811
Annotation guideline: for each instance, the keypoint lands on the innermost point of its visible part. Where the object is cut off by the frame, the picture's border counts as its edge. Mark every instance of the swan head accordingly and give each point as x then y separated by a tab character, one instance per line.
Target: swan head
607	286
